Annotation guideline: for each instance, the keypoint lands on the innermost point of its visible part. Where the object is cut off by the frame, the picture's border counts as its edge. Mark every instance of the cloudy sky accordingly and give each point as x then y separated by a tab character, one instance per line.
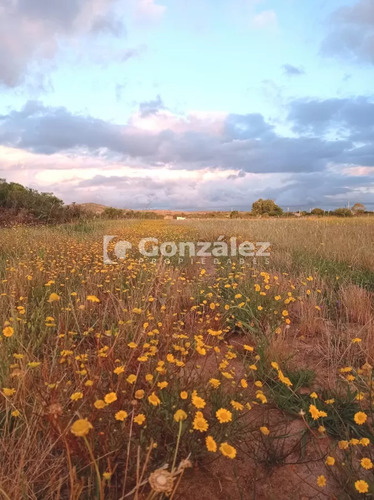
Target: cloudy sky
189	104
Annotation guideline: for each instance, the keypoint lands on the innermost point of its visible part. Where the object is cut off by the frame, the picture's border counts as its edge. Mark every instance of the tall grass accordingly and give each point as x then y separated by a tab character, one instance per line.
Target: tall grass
179	363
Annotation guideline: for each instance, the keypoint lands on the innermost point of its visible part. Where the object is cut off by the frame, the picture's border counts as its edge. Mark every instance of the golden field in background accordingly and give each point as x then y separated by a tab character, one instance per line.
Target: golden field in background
187	379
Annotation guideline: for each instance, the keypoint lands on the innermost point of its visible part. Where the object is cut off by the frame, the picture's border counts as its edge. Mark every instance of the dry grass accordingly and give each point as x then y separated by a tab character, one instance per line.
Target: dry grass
344	240
358	304
76	331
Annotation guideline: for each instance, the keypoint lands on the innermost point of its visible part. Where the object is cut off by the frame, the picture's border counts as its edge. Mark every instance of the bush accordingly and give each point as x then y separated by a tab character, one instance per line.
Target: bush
317	211
112	213
342	212
358	209
23	205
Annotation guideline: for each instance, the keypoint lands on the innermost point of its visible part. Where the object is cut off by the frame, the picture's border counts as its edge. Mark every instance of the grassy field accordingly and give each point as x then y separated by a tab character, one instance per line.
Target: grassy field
204	378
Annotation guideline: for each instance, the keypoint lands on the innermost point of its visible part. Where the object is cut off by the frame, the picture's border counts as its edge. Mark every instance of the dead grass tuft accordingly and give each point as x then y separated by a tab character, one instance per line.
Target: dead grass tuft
357	303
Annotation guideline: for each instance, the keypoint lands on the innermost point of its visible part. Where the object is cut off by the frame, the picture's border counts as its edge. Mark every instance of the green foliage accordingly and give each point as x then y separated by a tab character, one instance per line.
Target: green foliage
112	213
291	401
28	205
234	214
317	211
339	406
116	213
342	212
266	207
134	214
82	227
14	196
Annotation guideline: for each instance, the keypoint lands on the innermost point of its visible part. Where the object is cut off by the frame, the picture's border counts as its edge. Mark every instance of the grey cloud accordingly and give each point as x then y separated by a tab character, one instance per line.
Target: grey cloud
250	126
108	24
301	170
148	108
291	70
246	143
303	154
351	118
362	155
50	130
61	14
352	32
47	131
32	29
132	52
138	192
239	175
329	189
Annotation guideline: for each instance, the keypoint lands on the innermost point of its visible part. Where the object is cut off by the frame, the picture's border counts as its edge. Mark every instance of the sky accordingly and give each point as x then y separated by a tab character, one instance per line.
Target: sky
189	104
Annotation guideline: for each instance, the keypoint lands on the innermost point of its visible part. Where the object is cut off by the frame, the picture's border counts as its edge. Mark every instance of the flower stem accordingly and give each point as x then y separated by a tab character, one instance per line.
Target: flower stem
177	447
96	467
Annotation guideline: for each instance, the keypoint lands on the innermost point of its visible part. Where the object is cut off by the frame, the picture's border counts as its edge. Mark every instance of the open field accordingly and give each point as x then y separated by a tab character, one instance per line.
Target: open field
189	379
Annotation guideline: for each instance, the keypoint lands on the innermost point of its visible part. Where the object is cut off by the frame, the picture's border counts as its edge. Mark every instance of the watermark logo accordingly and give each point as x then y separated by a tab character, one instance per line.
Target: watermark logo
115	251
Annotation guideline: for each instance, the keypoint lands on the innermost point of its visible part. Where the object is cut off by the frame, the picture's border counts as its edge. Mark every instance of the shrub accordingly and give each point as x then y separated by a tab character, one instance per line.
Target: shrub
342	212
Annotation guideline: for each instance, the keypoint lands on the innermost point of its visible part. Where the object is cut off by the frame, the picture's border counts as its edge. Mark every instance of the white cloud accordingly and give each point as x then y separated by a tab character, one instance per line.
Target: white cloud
32	30
149	10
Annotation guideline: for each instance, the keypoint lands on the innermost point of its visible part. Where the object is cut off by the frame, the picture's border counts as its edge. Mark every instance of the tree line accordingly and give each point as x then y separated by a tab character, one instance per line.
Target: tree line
268	208
23	205
19	204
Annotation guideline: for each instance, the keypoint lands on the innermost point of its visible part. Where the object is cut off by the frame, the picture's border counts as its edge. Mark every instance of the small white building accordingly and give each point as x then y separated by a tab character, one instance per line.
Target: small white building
181	218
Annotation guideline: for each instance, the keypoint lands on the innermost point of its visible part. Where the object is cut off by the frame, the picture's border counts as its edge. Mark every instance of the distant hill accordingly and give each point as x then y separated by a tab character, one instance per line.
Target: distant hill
92	208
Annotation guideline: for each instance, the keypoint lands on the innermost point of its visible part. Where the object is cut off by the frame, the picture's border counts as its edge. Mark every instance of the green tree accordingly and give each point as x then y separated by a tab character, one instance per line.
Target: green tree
317	211
342	212
266	207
